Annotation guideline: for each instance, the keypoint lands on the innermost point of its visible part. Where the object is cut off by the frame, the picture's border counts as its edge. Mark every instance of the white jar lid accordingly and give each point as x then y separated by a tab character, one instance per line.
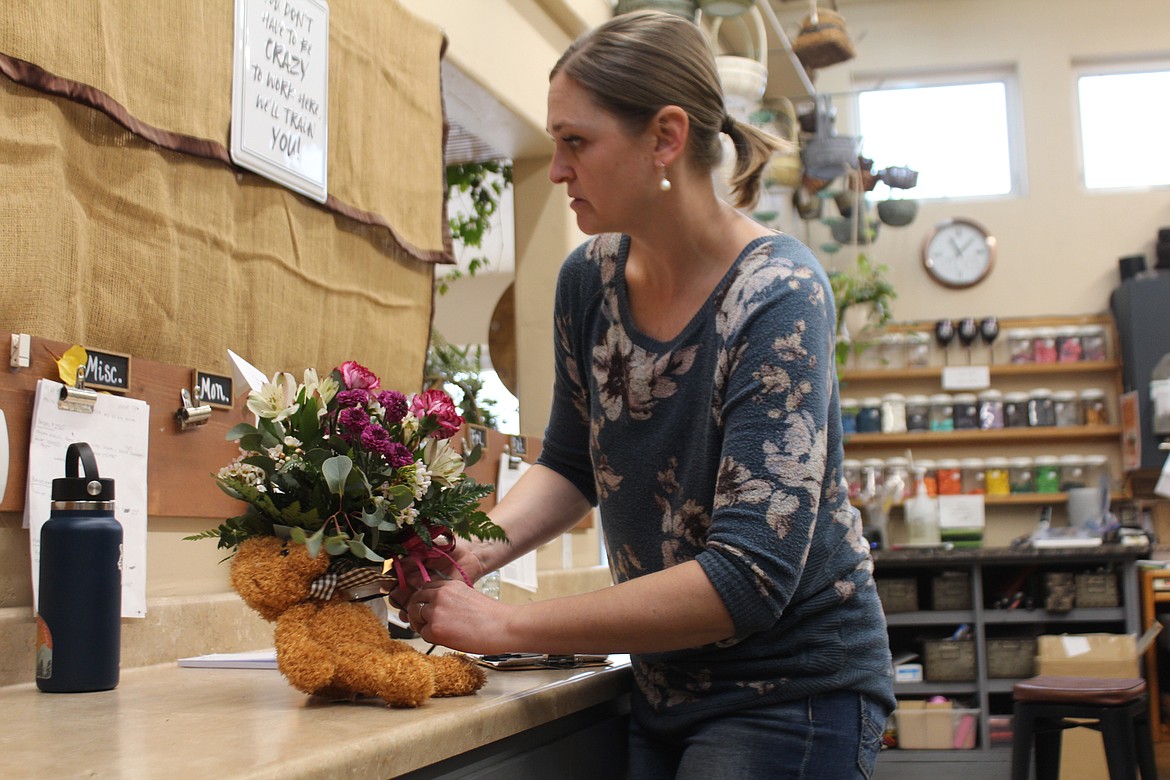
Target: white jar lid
925	463
1092	392
871	400
996	463
917	399
897	463
971	463
992	395
878	462
1047	460
851	463
1040	392
941	398
1020	333
1067	330
1096	460
1072	460
965	398
895	397
948	463
1064	395
1020	463
1045	333
1016	397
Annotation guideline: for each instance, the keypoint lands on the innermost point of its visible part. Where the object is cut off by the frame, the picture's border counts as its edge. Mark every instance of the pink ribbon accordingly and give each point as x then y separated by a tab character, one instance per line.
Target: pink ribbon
419	552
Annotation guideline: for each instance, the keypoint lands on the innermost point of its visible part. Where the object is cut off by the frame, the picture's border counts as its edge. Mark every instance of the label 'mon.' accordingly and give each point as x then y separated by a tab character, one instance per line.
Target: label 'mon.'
215	390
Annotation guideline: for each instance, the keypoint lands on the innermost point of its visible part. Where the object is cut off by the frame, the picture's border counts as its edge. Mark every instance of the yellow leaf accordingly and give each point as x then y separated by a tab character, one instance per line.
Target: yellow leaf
67	365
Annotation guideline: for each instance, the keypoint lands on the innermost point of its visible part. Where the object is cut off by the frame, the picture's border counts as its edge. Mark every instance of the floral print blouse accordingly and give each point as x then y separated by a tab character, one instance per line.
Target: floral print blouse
723	446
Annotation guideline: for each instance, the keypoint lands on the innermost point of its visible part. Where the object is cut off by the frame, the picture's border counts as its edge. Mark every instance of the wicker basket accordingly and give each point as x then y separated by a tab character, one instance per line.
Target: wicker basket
949	660
823	39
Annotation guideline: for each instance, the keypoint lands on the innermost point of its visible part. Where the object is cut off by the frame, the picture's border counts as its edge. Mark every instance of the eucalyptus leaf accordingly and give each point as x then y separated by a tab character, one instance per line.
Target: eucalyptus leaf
336	545
336	472
239	430
313	543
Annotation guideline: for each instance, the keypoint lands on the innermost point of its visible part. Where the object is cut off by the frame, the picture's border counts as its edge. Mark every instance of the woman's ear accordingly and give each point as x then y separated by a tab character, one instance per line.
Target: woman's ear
671	127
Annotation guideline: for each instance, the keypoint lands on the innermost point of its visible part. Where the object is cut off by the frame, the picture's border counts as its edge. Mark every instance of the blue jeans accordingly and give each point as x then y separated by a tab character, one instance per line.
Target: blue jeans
832	736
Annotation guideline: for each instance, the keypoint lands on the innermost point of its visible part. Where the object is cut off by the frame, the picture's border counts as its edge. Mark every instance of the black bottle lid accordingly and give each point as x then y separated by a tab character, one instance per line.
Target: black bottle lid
87	487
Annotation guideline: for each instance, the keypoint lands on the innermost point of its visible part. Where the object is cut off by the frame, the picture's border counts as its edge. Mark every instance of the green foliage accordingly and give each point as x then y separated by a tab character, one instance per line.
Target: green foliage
461	367
485	183
865	285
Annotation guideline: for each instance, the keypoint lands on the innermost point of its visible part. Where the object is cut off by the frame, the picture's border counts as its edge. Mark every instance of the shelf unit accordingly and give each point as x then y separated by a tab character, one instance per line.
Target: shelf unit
990	570
1007	516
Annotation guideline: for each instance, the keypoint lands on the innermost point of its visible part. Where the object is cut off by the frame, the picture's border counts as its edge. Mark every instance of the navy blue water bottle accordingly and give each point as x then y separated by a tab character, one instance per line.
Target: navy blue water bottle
79	603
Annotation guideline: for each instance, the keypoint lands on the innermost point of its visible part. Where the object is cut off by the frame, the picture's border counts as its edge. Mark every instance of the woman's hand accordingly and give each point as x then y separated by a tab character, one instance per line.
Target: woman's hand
450	614
442	568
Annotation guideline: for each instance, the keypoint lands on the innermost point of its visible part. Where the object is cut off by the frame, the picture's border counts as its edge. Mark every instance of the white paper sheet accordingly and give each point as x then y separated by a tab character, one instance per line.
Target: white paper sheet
522	571
118	431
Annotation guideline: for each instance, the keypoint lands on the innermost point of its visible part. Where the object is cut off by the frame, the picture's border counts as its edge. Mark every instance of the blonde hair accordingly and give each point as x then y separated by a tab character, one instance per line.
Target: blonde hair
636	64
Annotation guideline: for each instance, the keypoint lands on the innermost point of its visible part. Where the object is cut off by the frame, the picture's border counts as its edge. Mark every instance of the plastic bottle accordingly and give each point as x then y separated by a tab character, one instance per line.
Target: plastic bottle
79	602
921	512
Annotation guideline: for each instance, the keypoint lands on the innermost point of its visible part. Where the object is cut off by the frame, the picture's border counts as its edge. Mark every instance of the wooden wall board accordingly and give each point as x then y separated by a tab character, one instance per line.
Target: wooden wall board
180	463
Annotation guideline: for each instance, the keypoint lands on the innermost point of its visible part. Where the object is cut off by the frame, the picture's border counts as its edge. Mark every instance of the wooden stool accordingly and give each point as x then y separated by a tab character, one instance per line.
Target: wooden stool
1045	704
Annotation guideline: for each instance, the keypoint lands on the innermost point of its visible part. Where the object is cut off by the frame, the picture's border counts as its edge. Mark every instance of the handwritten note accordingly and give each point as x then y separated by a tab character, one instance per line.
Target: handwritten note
280	92
118	432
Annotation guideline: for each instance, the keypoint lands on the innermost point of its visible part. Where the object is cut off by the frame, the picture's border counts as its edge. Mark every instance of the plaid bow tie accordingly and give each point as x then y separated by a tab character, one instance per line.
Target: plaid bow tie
345	575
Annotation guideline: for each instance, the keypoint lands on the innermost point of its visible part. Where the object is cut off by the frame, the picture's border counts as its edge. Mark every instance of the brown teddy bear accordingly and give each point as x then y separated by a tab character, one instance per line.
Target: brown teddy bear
334	647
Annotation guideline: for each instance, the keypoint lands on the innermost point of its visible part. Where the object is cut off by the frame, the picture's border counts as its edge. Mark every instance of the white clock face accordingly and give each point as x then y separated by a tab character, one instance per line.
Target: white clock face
958	253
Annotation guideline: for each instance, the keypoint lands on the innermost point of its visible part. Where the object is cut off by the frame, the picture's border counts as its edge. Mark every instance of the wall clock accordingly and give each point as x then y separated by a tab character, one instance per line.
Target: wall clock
958	253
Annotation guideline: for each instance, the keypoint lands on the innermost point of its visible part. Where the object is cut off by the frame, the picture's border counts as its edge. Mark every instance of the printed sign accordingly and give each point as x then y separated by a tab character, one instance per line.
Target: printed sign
107	371
280	92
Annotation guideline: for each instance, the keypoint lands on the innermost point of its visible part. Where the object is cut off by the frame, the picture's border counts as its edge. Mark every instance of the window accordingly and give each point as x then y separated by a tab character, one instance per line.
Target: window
1125	126
956	133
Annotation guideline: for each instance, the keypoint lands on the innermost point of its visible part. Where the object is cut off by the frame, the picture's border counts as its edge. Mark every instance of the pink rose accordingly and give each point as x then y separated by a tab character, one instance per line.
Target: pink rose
436	411
358	377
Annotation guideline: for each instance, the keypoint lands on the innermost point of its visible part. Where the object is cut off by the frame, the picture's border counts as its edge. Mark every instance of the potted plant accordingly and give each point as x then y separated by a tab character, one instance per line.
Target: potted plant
863	298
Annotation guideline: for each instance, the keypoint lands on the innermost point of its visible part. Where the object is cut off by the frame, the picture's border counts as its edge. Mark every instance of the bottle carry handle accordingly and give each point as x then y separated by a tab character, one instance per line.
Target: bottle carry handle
80	451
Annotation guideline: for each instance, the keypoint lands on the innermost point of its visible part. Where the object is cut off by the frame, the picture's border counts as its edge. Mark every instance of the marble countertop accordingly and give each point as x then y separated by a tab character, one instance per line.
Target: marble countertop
166	722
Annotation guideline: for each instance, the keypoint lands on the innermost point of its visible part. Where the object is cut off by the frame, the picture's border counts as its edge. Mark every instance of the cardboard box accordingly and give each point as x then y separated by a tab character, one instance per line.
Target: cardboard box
1082	755
935	726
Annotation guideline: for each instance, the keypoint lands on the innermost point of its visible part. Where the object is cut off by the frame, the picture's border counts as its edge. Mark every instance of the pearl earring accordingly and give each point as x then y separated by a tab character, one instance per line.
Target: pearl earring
664	184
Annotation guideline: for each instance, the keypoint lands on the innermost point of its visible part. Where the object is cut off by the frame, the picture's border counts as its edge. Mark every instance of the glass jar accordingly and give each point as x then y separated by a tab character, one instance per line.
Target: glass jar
971	476
1021	476
1066	408
893	409
1020	347
849	409
851	473
917	413
995	477
872	478
942	412
892	350
869	415
1096	469
1068	344
966	412
1040	411
1093	408
1046	470
950	477
897	471
1015	410
1093	345
917	349
1072	472
930	475
1044	345
990	410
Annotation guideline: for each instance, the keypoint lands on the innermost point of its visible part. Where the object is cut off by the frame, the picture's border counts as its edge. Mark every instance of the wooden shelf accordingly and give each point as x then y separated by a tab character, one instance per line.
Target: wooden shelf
997	436
996	371
1025	499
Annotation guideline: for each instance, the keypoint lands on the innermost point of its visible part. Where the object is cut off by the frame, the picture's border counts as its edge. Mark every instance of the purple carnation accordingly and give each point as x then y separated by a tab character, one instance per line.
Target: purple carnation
398	455
377	439
394	403
349	398
354	422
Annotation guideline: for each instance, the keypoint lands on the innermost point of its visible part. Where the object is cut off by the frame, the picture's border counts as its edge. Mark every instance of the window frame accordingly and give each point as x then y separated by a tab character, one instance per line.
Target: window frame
1109	67
1006	74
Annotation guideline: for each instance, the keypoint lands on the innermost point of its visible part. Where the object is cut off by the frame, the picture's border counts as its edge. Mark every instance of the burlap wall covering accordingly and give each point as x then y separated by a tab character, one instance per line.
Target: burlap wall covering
108	239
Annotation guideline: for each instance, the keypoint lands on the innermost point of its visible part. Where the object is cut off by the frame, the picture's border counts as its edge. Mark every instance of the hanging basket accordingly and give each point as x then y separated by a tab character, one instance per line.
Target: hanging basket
685	8
826	155
784	168
823	39
742	73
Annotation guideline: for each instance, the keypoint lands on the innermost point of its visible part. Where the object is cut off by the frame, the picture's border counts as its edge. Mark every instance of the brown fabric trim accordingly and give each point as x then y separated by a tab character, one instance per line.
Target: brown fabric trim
35	77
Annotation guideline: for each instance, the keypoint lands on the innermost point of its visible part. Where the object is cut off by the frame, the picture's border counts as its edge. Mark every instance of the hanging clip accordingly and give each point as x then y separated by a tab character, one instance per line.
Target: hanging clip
190	416
18	356
514	450
78	398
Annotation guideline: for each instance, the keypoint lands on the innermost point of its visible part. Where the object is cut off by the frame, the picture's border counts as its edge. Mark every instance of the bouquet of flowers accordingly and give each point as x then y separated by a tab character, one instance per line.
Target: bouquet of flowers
369	475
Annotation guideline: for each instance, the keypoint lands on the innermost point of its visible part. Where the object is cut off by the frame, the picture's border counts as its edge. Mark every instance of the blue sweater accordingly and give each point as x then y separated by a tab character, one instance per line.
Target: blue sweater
723	446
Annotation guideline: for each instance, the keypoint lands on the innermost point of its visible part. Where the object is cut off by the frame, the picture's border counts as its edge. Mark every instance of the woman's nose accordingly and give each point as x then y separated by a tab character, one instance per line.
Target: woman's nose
558	172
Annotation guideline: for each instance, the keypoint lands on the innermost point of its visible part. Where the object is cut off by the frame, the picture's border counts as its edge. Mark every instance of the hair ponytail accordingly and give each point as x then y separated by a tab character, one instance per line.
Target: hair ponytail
753	149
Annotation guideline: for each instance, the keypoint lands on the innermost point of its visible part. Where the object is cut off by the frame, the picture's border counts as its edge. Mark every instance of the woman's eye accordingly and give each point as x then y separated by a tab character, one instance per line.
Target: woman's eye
572	140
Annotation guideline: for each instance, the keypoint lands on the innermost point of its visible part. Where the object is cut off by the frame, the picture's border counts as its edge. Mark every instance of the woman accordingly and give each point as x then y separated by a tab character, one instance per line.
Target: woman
696	403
